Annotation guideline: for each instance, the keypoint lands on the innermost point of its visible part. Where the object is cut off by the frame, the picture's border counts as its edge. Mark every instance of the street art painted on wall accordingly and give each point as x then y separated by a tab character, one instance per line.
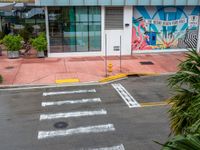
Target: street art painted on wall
157	28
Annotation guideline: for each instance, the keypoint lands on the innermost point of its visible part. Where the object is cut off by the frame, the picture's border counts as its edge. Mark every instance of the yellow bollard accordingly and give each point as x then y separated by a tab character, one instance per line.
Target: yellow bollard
110	67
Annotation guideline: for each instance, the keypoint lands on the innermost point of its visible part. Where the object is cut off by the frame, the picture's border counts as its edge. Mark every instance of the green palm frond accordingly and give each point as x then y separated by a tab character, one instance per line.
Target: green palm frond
180	142
185	110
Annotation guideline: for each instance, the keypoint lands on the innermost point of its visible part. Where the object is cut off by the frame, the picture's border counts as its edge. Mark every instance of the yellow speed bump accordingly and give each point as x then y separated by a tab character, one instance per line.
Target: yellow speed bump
111	78
62	81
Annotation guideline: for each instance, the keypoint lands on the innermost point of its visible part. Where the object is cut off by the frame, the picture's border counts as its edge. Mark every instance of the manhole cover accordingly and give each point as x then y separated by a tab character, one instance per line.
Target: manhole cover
146	63
9	67
60	125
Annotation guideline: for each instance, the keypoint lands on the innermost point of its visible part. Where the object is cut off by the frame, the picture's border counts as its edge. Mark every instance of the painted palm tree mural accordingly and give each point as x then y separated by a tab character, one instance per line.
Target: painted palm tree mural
164	27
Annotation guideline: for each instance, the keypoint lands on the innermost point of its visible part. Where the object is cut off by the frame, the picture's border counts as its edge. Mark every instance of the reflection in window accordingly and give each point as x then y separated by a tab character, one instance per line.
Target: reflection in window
18	19
74	29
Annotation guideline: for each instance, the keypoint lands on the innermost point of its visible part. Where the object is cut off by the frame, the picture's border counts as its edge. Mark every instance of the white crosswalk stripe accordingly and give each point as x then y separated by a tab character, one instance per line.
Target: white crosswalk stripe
72	114
69	92
79	101
117	147
126	96
99	128
80	130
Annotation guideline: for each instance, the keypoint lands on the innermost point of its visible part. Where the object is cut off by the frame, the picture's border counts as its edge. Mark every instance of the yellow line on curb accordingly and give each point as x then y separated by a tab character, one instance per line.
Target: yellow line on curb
123	75
115	77
67	81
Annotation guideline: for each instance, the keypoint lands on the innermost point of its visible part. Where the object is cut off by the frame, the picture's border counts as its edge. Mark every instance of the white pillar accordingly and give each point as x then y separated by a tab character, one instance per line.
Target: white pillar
47	29
103	30
128	15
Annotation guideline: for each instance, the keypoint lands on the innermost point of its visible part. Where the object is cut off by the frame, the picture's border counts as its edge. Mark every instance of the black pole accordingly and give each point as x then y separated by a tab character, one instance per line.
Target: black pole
120	53
106	55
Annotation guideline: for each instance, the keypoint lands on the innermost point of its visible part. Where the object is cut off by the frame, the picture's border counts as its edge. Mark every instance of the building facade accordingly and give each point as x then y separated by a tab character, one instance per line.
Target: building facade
96	27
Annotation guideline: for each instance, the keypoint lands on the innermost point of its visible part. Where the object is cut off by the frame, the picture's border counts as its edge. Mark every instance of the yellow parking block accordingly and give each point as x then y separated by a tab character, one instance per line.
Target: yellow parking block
62	81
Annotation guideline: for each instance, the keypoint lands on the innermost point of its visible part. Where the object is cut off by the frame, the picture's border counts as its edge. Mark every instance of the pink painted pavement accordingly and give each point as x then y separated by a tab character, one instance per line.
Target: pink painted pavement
32	70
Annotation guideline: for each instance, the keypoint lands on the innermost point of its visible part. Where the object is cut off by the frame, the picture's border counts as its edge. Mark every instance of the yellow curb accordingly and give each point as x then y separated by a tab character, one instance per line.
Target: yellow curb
67	81
142	74
115	77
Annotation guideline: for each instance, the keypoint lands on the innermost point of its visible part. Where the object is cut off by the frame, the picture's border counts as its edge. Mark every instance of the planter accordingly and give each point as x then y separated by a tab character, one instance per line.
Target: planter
13	54
40	54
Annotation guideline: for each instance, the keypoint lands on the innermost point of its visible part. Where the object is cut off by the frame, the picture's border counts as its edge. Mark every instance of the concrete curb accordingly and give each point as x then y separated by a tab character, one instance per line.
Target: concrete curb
92	83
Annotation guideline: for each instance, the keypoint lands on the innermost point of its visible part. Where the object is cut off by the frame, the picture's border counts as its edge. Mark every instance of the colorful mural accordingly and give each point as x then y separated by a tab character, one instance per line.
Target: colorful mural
157	28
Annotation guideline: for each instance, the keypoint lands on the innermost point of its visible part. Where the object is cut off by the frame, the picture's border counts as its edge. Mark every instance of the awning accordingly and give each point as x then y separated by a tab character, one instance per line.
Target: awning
6	6
11	6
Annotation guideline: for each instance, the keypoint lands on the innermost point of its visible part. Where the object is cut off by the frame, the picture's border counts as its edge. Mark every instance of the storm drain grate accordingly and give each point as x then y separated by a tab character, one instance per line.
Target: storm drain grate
9	67
146	63
60	125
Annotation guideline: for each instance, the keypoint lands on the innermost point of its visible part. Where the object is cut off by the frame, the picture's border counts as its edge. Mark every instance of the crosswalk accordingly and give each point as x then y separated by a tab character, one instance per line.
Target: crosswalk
80	130
126	96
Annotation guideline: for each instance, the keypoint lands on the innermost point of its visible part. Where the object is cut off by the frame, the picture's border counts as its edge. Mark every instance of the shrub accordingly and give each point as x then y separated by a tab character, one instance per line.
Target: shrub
12	42
40	42
1	79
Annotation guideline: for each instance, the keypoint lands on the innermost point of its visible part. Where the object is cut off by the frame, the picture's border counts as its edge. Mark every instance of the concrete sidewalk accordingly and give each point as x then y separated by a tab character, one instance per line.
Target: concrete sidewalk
31	70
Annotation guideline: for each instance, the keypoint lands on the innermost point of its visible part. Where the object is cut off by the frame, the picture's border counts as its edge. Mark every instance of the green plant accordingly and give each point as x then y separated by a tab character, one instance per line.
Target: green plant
12	42
181	142
40	42
1	79
185	110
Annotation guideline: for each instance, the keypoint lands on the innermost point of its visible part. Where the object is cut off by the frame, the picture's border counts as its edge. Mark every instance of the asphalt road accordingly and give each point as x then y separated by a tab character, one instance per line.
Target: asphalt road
94	117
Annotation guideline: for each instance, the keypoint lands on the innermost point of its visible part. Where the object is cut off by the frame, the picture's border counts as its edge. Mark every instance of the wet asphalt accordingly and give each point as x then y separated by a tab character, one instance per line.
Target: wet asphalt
135	128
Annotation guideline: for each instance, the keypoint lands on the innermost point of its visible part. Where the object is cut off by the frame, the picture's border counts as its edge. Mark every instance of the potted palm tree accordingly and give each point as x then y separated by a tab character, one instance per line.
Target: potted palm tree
40	44
13	44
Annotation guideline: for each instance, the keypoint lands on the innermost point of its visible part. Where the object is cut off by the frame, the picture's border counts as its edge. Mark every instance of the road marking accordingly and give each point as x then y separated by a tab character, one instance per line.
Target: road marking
80	130
118	147
126	96
152	104
72	114
79	101
69	92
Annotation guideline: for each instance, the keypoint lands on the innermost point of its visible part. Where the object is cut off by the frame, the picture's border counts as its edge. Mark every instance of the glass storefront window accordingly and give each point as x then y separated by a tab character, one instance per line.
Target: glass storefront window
77	28
18	19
